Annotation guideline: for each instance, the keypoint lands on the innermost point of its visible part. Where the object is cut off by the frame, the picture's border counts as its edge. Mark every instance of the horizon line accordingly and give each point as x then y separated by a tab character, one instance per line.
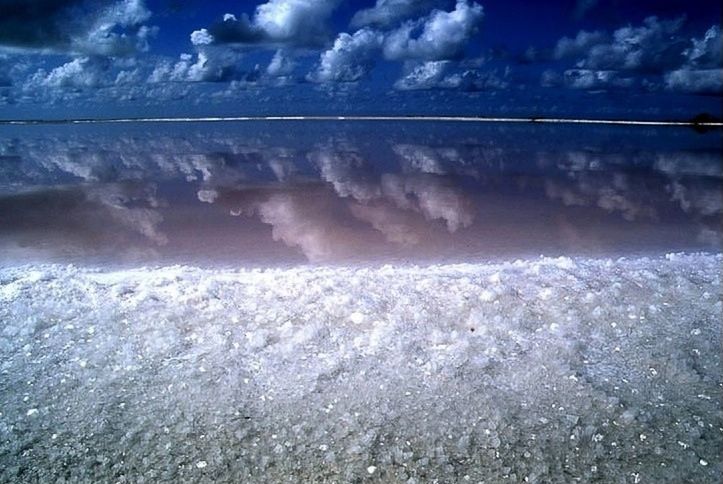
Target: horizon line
468	119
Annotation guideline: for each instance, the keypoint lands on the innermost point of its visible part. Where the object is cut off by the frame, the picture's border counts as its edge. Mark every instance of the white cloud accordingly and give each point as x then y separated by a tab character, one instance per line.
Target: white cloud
396	225
433	75
702	73
655	50
211	64
594	79
280	65
550	78
133	209
432	195
208	195
293	20
698	81
307	220
162	71
350	58
125	78
386	12
76	27
201	37
346	172
442	35
426	75
706	52
103	36
580	45
289	22
653	47
81	72
425	159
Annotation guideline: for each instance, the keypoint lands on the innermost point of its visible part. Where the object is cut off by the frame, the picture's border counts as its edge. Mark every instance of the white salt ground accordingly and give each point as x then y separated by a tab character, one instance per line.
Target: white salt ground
553	370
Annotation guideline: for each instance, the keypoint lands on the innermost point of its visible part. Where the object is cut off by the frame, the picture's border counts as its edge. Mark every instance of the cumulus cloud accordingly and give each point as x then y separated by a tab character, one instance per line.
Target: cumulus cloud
432	195
81	72
580	45
209	64
703	72
201	37
697	81
426	75
125	206
347	172
396	225
592	79
422	188
424	43
289	22
350	58
439	36
111	28
387	12
476	80
706	52
436	75
652	54
652	47
281	64
424	159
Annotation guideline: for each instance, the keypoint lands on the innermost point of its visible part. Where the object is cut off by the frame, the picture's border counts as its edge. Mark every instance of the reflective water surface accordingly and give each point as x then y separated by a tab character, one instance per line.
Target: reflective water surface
328	192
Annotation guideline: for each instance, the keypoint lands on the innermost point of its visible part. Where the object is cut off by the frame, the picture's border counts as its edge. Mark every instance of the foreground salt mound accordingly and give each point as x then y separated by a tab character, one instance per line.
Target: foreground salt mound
554	370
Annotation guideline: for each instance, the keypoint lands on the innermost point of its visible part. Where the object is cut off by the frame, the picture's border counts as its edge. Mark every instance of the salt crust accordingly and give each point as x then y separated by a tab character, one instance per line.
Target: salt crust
550	370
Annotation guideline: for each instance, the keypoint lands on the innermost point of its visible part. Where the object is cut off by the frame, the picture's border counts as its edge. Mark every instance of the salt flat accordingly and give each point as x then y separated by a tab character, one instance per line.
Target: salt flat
542	370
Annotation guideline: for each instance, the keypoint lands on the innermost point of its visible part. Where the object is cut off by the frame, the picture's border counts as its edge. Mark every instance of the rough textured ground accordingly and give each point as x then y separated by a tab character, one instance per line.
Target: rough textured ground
553	370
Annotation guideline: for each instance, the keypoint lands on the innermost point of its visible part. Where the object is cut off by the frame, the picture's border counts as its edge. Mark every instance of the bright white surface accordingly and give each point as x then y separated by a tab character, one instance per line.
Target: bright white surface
551	370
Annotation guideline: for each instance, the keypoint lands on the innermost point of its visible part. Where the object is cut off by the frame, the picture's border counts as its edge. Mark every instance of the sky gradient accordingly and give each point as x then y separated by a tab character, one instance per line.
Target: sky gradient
600	58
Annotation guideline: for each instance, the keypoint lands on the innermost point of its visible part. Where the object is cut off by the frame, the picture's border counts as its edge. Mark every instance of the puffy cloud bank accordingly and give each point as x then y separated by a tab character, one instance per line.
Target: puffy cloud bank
427	41
62	52
656	51
114	28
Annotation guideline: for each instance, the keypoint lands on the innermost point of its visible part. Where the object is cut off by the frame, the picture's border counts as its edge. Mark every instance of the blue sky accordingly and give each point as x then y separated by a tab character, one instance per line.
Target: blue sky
605	58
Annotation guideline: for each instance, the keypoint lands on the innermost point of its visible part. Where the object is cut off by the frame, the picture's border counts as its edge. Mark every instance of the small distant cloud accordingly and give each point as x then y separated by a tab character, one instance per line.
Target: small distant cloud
387	12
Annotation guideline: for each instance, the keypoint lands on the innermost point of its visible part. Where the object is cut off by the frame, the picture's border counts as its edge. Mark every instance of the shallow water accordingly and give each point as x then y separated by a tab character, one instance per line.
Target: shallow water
240	194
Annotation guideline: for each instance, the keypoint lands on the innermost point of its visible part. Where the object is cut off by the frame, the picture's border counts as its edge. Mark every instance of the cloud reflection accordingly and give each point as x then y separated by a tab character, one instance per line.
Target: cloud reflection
346	198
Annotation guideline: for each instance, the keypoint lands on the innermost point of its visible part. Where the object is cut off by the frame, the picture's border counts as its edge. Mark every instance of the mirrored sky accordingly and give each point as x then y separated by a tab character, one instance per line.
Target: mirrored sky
322	192
601	58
